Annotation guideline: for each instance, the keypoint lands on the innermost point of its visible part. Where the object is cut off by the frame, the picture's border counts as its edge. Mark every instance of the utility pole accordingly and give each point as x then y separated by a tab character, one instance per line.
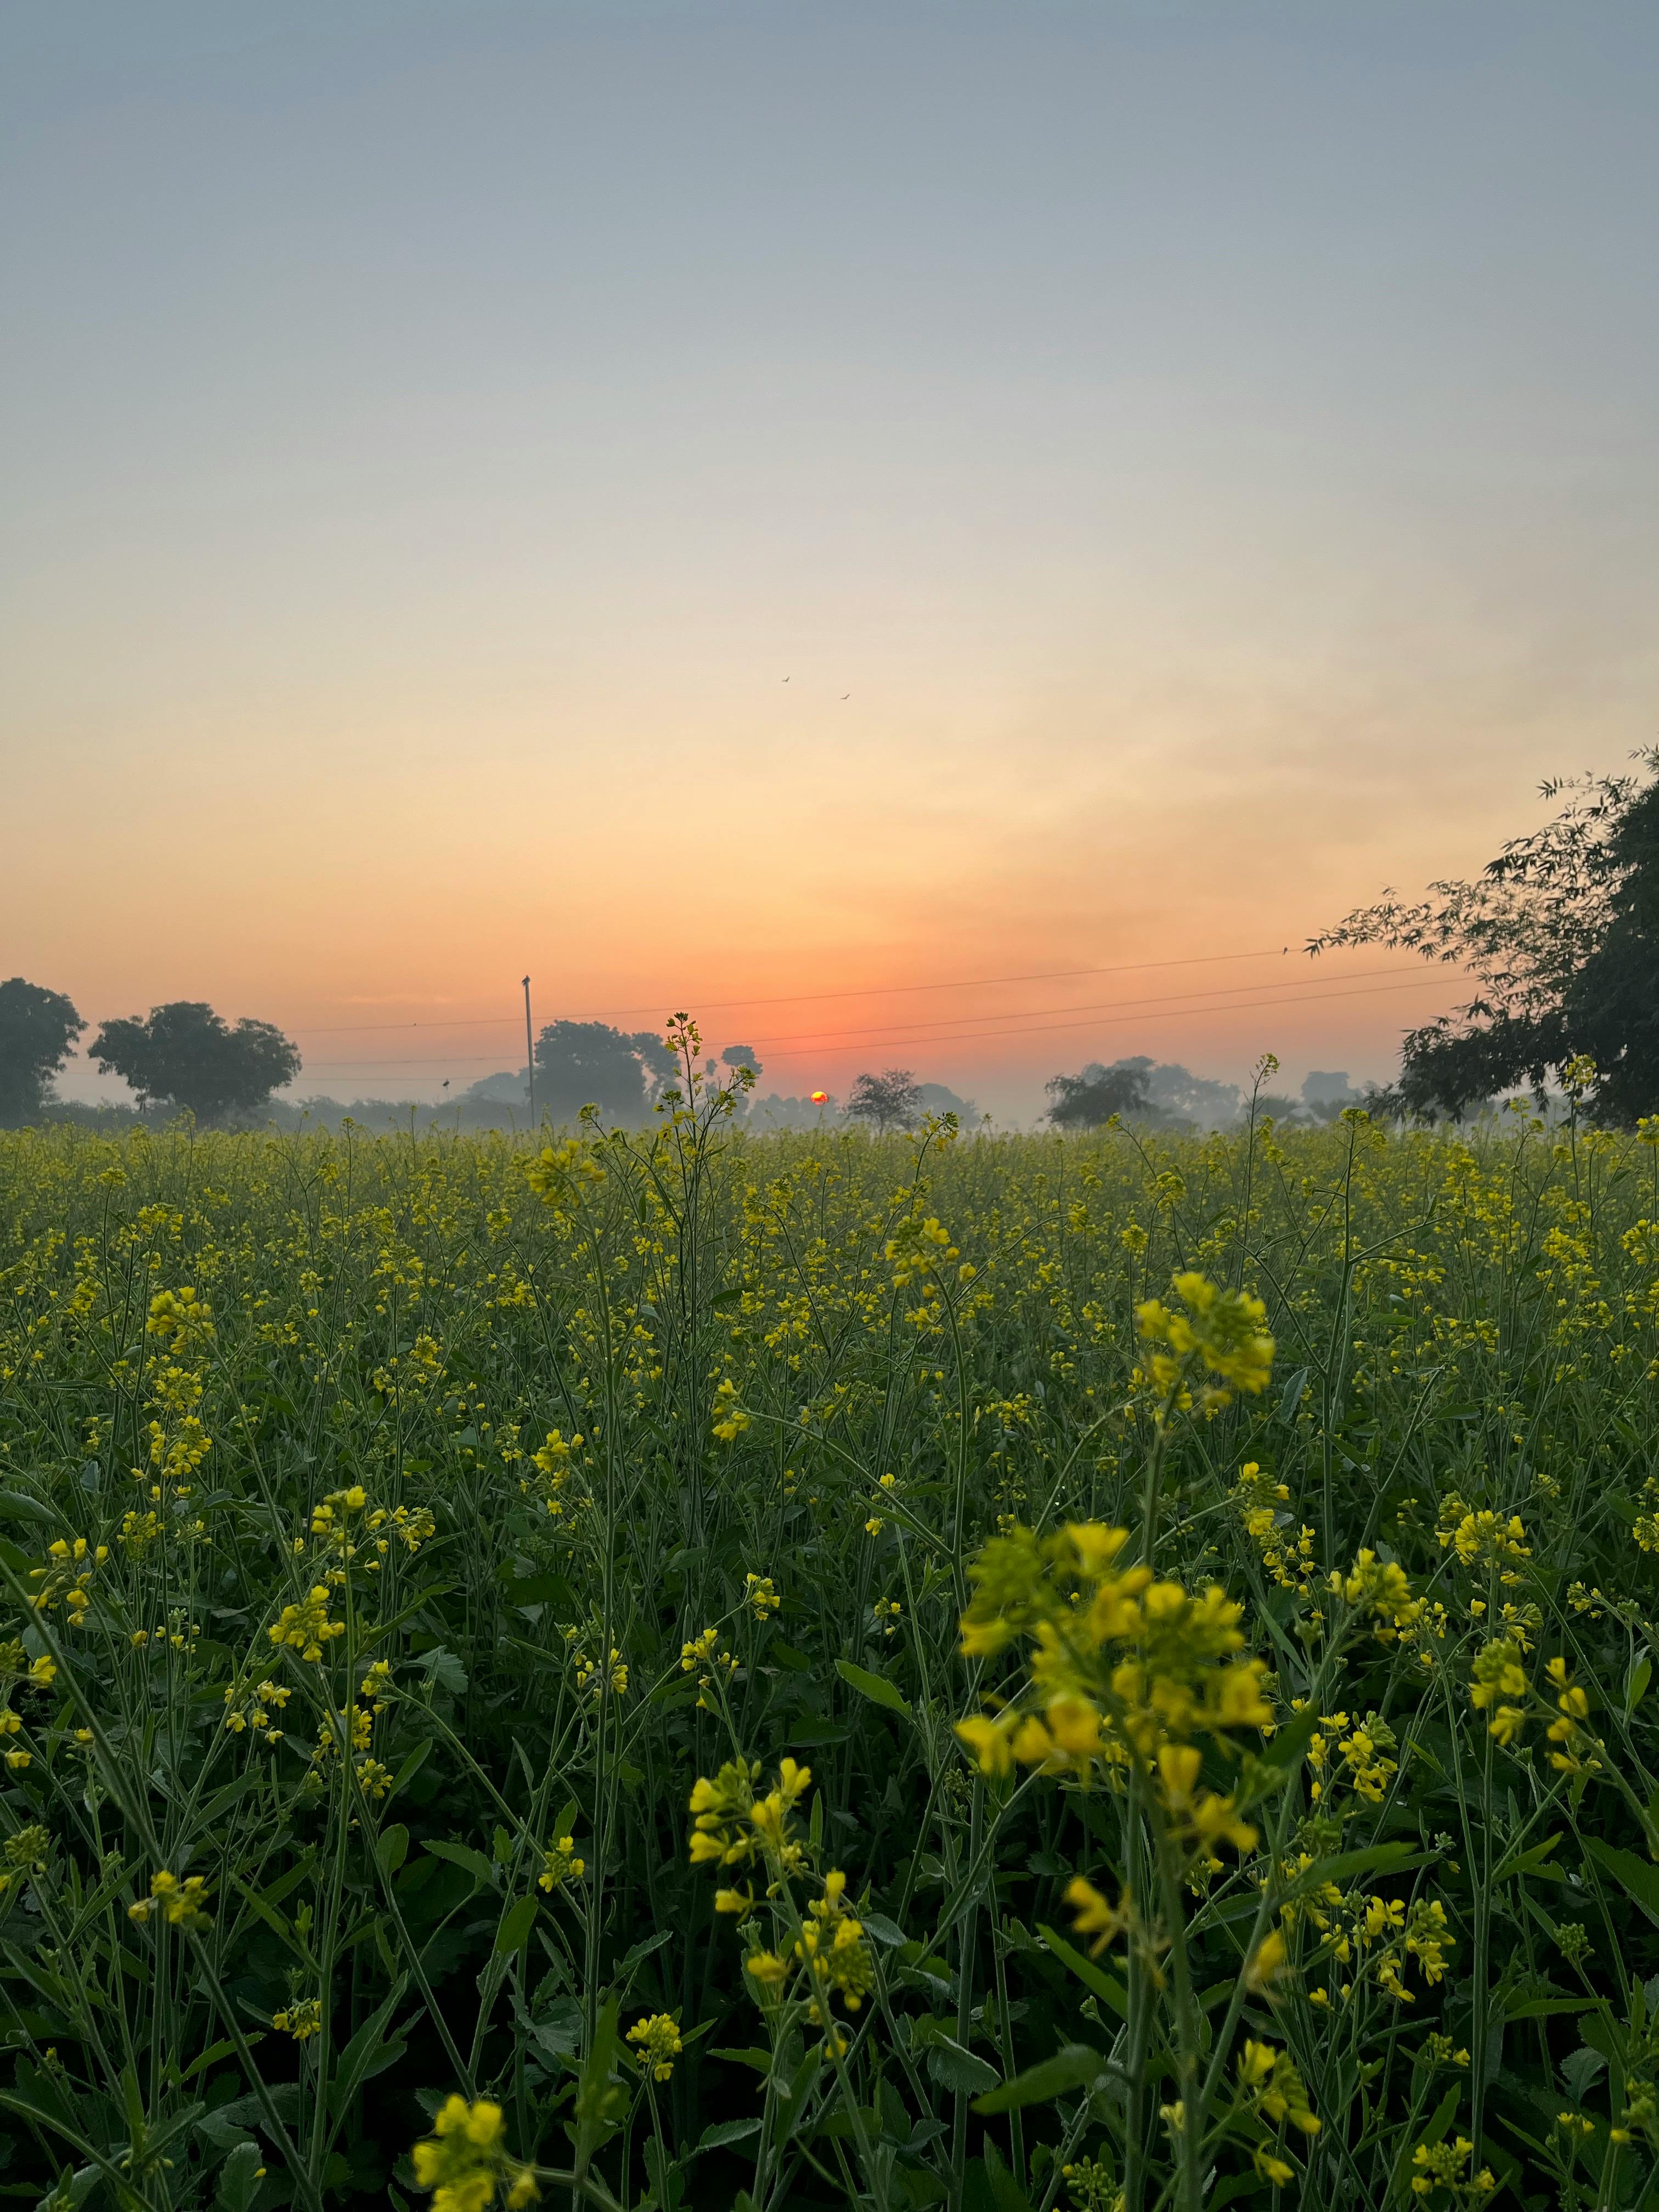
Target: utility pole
529	1053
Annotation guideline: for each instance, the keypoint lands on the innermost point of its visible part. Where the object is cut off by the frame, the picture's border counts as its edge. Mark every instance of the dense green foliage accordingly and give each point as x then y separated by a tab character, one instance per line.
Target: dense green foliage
1561	934
37	1029
590	1063
545	1493
185	1055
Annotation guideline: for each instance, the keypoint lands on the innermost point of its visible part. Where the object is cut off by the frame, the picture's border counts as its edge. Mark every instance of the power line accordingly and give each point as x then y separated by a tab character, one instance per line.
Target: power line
1105	1006
970	982
1106	1017
814	998
1110	1021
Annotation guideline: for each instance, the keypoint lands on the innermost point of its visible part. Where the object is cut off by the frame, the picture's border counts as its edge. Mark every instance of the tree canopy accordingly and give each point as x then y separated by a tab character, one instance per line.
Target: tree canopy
1561	932
891	1100
590	1064
37	1029
1084	1102
184	1054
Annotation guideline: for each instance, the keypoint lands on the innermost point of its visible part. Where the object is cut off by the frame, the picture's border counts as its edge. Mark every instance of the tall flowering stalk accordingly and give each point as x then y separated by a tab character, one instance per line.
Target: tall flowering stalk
1136	1685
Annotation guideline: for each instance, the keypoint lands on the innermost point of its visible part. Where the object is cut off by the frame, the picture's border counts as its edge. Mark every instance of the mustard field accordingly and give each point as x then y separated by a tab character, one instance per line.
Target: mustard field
697	1669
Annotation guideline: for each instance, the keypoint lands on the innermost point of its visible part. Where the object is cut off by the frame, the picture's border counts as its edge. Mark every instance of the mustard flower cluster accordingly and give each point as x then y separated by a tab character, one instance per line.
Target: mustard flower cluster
1261	1504
658	2041
1445	2165
180	1319
181	1904
463	2161
66	1578
307	1628
560	1175
1271	2089
302	2019
242	1715
829	1958
560	1865
1217	1330
344	1525
730	1417
1124	1671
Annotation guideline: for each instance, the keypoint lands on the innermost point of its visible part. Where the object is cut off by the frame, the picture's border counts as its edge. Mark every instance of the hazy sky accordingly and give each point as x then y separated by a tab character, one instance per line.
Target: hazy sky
1213	448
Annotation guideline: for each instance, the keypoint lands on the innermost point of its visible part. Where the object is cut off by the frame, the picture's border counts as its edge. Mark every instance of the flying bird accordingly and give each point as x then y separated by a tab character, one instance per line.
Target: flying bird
846	695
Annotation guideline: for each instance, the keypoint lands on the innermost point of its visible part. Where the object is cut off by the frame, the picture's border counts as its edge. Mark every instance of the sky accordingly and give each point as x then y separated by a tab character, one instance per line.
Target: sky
750	507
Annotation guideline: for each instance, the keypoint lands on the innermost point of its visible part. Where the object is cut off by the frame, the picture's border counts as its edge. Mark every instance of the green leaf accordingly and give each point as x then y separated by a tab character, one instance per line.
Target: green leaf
884	1929
248	2112
444	1669
814	1736
677	1689
786	1655
876	1687
540	1589
272	1919
516	1924
1635	1876
643	1950
392	1849
599	2107
1636	1684
211	2057
667	2181
239	2178
428	1595
1444	2112
720	2132
958	2069
1006	2194
17	1506
1074	2066
1345	1866
412	1765
1529	1861
73	2191
463	1855
1106	1987
357	2062
759	2060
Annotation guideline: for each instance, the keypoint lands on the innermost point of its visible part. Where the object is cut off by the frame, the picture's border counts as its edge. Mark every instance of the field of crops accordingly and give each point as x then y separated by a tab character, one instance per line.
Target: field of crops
700	1669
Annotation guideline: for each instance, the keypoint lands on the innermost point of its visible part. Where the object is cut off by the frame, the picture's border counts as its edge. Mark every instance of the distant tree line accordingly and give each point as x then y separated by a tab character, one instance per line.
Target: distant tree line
1165	1095
1560	930
182	1057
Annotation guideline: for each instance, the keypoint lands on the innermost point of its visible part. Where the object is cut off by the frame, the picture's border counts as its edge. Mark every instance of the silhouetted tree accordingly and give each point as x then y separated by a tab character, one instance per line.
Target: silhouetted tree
590	1064
891	1100
1327	1091
940	1099
1562	932
37	1029
184	1054
1174	1093
1084	1102
741	1055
